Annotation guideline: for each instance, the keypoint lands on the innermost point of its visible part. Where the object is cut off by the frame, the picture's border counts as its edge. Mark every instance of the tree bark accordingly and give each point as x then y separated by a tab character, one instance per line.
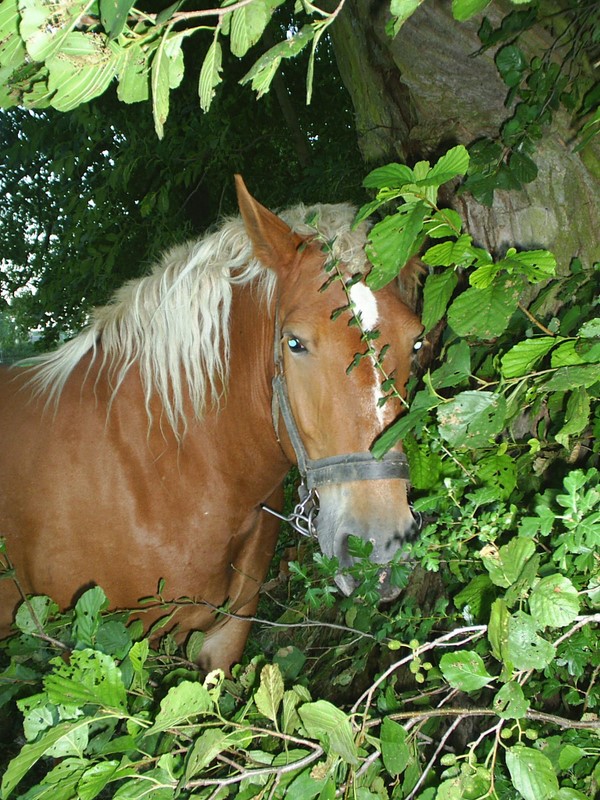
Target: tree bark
425	90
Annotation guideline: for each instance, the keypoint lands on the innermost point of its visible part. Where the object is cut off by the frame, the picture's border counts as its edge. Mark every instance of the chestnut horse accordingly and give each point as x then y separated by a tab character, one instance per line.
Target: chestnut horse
144	449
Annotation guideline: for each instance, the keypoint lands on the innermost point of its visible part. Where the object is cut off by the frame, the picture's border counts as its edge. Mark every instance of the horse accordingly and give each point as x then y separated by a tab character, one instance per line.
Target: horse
144	451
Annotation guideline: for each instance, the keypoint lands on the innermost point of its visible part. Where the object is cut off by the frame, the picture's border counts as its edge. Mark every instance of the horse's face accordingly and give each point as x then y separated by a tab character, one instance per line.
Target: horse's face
340	410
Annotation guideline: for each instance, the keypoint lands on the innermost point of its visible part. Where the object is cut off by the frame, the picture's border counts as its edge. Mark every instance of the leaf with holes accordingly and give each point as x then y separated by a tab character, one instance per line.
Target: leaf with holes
524	647
554	601
471	419
485	313
465	670
532	773
269	694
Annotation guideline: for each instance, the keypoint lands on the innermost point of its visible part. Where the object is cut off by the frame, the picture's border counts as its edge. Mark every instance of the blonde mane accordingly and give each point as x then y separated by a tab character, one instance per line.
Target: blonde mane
173	324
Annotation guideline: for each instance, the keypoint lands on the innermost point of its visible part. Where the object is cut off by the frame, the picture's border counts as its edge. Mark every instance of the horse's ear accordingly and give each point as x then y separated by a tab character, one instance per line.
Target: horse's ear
274	243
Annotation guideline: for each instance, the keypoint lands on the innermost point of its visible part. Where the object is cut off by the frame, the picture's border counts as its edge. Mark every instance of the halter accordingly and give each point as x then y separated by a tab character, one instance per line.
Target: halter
322	471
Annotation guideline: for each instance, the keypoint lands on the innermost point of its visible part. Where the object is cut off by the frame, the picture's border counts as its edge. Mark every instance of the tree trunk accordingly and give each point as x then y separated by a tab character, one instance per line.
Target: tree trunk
423	91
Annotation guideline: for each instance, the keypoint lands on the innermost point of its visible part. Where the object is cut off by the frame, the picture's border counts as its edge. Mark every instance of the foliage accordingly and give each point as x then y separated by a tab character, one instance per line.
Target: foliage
489	688
84	205
62	55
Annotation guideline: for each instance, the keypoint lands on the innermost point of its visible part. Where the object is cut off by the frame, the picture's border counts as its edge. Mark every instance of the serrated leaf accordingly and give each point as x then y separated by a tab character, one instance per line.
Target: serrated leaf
247	26
437	291
401	10
577	416
504	565
269	694
210	74
554	602
521	358
391	176
30	754
531	772
571	377
263	71
456	367
446	254
87	615
90	677
34	613
510	702
183	702
471	418
465	670
12	49
452	164
465	9
524	647
113	14
392	242
204	750
394	750
159	81
45	26
94	779
133	76
485	313
331	726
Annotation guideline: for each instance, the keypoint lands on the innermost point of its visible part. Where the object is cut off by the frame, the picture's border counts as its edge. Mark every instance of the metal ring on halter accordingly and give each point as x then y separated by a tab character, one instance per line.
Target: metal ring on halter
303	517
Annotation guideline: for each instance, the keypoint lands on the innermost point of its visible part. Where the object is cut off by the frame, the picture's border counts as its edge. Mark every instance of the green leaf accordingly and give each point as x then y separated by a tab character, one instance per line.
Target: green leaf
392	242
566	378
269	694
204	750
444	223
504	565
391	176
510	702
576	417
485	313
498	472
87	615
498	629
531	772
193	646
525	649
34	613
521	358
465	670
247	26
29	754
522	167
89	677
452	164
465	9
394	750
45	27
331	726
446	254
554	602
475	597
12	49
456	366
401	10
133	76
210	74
113	14
159	81
471	419
183	702
263	71
94	779
437	292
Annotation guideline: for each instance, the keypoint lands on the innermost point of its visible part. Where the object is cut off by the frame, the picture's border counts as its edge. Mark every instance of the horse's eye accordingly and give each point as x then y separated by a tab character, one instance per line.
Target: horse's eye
296	345
418	345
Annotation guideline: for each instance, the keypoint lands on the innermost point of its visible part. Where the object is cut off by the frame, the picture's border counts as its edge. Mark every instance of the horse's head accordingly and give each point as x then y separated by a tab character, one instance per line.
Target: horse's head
338	411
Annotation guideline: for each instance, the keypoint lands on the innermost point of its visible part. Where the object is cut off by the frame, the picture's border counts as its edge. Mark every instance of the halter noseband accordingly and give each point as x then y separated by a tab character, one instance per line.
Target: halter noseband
322	471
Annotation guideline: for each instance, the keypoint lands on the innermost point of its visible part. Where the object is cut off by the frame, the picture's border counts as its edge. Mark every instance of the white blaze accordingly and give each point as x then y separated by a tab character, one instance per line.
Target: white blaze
365	307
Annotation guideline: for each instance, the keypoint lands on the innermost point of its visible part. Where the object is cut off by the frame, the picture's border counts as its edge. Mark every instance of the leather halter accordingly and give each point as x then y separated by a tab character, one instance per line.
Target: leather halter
361	466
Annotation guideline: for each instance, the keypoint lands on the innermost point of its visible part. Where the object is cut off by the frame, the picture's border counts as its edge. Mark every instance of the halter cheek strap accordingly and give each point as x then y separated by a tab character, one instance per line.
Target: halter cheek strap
333	469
